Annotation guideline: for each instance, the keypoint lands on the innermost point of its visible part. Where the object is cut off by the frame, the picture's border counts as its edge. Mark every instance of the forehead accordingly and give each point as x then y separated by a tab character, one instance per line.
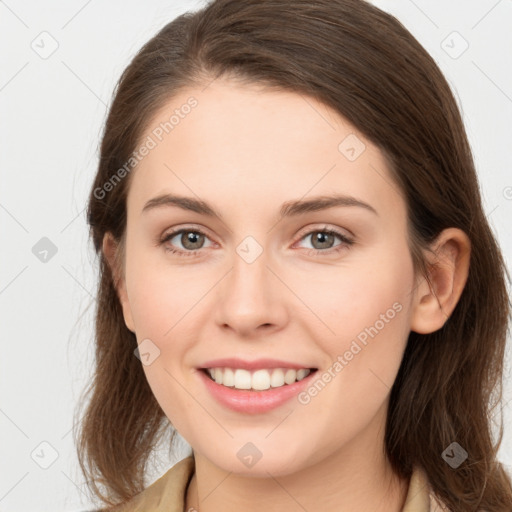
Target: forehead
256	146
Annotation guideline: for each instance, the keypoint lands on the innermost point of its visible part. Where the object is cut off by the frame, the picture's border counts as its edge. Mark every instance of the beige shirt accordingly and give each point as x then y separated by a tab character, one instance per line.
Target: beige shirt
168	493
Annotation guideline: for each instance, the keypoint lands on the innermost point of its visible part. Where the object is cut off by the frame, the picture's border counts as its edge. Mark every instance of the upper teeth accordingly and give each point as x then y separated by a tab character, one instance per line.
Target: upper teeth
258	380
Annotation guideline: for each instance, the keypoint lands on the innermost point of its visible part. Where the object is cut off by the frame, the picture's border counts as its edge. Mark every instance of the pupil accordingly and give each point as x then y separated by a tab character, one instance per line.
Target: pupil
191	238
323	238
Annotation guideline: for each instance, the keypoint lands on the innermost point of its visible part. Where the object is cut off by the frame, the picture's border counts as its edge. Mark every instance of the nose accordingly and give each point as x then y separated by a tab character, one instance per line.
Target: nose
251	300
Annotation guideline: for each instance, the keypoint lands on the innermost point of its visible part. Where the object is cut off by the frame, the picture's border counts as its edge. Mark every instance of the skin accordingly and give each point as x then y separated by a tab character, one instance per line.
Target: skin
246	151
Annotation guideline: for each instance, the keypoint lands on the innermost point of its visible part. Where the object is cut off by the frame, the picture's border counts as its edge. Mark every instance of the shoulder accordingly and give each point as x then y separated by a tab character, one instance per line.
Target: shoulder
165	494
420	496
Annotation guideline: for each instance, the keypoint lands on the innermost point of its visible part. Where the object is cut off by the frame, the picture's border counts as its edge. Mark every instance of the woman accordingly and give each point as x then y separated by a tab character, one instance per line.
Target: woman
297	274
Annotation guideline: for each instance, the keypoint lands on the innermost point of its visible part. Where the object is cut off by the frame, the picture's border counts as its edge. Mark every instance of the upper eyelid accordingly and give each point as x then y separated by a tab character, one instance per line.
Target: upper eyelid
325	227
172	233
303	233
192	228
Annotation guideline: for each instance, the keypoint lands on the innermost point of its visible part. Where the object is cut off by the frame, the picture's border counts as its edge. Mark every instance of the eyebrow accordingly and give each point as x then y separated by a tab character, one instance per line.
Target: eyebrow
288	209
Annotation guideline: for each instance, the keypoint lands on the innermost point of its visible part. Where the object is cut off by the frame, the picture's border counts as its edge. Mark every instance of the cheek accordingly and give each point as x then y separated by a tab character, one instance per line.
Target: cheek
371	326
165	304
161	295
353	299
366	317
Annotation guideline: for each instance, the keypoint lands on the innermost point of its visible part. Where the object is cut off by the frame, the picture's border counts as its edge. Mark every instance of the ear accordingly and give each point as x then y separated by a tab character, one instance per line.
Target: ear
111	251
448	271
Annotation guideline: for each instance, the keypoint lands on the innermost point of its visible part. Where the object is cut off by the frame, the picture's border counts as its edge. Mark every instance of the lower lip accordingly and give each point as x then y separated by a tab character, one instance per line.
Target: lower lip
254	402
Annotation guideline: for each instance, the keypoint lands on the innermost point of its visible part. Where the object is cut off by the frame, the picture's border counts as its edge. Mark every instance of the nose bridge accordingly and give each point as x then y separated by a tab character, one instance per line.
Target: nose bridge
249	296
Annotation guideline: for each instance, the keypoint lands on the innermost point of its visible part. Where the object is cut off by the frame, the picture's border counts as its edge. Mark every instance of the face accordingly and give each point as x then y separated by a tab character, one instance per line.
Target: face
285	260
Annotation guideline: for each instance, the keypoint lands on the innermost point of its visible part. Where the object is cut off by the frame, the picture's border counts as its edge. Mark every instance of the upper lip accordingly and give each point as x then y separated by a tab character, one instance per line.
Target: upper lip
232	362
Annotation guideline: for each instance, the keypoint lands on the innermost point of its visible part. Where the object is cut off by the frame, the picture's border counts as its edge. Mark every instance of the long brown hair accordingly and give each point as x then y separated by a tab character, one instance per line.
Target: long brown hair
364	64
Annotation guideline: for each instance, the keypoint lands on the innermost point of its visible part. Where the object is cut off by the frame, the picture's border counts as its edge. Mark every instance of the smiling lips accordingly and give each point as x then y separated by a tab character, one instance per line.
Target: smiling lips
258	380
258	375
254	387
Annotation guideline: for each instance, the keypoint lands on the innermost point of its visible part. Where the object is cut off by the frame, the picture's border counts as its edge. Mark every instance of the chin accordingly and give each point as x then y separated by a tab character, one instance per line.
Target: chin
248	460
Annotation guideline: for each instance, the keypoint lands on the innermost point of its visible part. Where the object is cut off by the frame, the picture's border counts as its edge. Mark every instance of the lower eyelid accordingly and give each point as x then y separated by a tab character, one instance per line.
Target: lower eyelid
344	240
169	236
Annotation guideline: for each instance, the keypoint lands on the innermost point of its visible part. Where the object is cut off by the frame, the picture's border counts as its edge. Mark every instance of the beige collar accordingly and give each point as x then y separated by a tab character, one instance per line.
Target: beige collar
168	493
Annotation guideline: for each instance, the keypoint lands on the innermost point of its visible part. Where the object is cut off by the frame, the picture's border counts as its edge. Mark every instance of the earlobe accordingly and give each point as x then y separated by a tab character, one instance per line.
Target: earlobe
448	273
111	248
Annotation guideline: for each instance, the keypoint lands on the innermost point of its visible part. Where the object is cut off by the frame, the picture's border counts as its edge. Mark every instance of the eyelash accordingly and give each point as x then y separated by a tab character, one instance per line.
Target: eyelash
346	242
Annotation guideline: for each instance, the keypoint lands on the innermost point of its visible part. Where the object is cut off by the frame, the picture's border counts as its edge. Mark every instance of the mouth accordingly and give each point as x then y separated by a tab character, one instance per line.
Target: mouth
260	379
254	387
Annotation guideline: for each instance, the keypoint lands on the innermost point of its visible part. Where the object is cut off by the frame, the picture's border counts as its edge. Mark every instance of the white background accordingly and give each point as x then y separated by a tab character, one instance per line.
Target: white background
52	111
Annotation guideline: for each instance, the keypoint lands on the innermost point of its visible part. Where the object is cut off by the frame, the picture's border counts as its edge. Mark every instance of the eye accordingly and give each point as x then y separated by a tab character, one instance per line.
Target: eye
322	240
191	240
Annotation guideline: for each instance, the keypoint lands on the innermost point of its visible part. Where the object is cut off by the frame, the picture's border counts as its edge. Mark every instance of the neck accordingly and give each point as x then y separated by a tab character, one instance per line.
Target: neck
352	479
